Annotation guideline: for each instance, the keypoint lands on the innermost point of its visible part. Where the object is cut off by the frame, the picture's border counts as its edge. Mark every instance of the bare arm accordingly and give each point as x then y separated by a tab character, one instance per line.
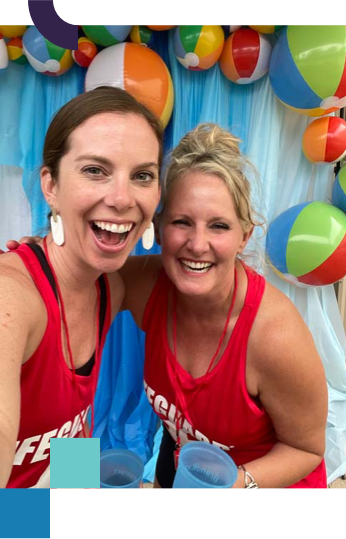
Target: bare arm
139	274
16	322
292	389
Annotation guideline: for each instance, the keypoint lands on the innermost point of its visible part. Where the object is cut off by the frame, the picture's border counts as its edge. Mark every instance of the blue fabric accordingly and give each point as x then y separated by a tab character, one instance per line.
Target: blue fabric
271	136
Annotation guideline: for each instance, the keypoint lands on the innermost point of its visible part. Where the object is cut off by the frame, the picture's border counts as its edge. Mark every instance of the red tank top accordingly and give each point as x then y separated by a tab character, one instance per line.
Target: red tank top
222	412
49	404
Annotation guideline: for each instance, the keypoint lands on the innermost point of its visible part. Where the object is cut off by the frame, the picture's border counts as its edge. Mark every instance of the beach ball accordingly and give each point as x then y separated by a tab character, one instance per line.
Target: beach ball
44	56
12	31
324	140
137	69
198	47
160	28
86	52
245	56
106	35
142	35
307	68
339	190
306	244
230	29
15	51
266	29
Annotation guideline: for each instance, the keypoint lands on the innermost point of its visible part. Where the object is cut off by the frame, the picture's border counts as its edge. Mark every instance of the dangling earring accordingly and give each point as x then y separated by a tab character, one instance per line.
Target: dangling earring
57	227
148	237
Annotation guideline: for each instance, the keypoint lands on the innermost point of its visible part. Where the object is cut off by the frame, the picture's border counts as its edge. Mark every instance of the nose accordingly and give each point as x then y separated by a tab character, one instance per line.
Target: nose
120	194
198	242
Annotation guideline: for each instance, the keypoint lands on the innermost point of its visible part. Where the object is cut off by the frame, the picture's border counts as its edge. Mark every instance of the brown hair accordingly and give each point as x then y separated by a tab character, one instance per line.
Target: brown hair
84	106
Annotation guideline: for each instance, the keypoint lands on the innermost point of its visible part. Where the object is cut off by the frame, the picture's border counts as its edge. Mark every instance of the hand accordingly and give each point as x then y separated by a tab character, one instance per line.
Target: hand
13	244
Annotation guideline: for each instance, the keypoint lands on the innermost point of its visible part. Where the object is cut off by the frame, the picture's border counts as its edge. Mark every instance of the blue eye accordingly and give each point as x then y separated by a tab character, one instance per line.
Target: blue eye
144	176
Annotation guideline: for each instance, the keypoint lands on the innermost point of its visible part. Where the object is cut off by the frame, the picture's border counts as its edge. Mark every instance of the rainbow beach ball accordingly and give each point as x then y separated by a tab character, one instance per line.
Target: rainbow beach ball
339	190
245	56
306	244
324	140
106	35
307	68
198	47
137	69
44	56
15	51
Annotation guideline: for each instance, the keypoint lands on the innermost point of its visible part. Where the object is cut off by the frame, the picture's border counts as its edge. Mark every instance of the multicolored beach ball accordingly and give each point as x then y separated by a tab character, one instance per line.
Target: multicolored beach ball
198	47
307	68
306	244
106	35
339	190
137	69
245	56
10	31
266	29
161	28
44	56
86	52
142	35
15	51
324	140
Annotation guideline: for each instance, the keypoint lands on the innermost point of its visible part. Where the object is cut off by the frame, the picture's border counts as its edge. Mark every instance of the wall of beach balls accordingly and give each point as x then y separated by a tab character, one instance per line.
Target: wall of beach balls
306	244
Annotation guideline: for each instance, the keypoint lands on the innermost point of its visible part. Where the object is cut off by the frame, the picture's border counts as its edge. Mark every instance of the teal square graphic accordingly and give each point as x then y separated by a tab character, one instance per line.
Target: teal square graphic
75	463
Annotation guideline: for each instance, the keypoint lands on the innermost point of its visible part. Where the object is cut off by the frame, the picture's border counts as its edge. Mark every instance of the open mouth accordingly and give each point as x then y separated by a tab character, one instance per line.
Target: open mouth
196	267
111	234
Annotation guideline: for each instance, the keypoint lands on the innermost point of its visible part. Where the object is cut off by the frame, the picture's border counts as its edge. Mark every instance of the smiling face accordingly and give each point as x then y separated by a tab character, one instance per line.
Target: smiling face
107	189
201	235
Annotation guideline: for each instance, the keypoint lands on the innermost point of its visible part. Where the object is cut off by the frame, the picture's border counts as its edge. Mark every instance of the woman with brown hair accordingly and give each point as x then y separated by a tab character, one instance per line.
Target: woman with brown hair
100	176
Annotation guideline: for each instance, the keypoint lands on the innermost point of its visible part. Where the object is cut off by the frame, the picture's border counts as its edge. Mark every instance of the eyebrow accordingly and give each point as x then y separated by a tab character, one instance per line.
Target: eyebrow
108	162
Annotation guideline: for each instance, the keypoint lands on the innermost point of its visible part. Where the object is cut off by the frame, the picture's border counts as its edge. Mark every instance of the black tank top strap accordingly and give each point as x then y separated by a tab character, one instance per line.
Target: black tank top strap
86	369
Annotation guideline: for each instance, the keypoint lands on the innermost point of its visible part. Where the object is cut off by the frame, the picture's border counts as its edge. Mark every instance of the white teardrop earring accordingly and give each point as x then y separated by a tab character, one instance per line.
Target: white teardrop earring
148	237
57	227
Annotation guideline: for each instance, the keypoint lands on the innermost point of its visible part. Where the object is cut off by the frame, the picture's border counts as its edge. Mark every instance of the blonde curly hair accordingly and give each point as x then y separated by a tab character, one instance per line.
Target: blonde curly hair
212	150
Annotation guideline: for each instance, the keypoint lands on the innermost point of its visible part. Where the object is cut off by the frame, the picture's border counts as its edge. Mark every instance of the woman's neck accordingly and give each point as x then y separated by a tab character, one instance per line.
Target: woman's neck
74	277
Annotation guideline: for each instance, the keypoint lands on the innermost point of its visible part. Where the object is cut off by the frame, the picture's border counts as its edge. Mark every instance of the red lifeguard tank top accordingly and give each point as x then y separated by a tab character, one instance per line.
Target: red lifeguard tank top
222	412
50	407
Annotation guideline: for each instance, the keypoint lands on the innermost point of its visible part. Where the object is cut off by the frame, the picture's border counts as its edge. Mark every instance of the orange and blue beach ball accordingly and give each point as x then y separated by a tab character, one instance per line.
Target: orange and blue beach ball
306	244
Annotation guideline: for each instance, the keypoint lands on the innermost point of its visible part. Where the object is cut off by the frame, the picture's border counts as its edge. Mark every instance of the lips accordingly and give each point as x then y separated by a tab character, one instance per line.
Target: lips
110	235
196	267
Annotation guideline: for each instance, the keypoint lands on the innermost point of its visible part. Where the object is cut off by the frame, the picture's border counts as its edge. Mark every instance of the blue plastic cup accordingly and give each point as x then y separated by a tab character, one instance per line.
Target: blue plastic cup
120	468
202	465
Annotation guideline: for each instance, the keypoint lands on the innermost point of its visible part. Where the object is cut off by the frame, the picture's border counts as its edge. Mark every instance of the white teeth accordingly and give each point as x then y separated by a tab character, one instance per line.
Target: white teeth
197	265
113	227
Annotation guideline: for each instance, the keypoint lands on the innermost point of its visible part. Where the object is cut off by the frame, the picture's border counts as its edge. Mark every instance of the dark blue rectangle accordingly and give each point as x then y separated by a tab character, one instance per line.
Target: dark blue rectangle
24	513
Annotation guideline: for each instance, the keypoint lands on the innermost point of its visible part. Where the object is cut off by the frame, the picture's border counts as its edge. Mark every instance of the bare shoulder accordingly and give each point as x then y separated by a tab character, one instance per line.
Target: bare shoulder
23	315
16	283
280	339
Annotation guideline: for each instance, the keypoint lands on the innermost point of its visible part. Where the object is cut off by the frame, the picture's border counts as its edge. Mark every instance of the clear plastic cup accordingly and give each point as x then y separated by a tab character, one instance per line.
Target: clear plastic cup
202	465
120	468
